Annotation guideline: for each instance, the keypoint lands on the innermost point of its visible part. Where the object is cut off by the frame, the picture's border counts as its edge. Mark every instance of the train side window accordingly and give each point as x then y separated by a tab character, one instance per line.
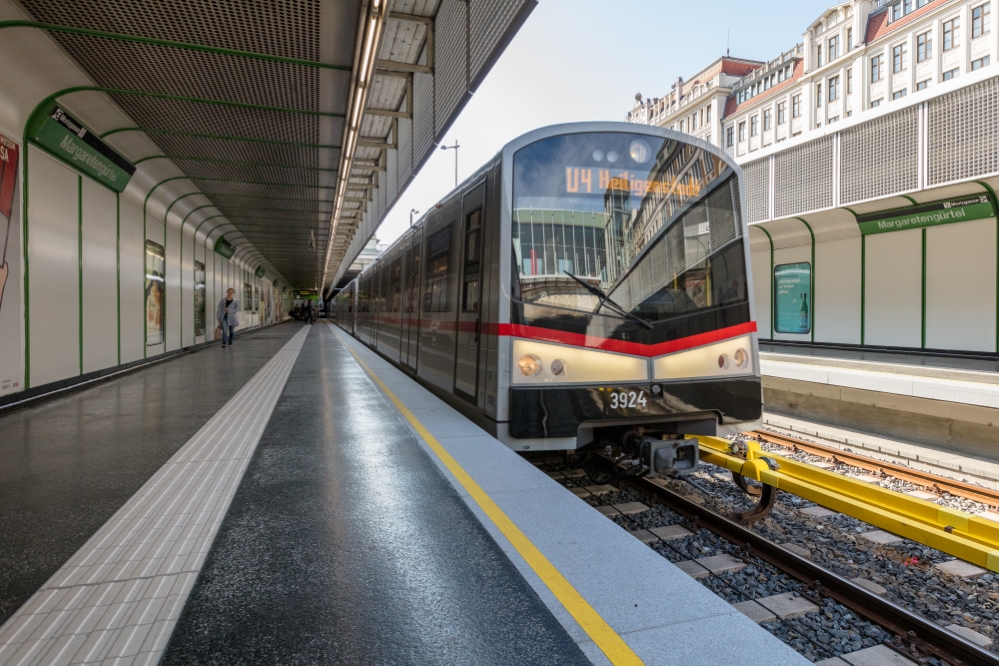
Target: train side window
414	278
395	285
473	253
438	252
470	301
473	244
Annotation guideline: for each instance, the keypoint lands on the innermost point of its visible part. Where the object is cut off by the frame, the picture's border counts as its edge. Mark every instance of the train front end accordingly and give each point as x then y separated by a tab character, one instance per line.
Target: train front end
631	323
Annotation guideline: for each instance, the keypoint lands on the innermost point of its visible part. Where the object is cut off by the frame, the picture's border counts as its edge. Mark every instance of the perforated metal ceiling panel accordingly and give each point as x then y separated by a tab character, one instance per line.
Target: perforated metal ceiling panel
245	128
247	100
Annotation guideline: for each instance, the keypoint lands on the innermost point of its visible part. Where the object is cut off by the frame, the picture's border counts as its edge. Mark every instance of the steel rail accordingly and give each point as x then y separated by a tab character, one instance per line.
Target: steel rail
914	635
928	480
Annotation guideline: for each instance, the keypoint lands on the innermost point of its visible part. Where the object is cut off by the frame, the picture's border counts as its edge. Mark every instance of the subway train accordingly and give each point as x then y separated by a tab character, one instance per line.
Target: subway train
588	287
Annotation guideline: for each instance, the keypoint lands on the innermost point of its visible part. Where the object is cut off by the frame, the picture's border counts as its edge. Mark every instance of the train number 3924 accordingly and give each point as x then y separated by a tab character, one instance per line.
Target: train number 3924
628	400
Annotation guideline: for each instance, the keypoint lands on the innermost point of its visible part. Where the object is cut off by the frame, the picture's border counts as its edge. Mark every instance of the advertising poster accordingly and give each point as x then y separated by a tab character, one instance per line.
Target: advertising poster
792	286
265	303
278	304
155	294
247	303
11	352
199	298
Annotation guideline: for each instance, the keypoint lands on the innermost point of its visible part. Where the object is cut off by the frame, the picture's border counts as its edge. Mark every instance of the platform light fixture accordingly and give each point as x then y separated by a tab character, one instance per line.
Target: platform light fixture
359	97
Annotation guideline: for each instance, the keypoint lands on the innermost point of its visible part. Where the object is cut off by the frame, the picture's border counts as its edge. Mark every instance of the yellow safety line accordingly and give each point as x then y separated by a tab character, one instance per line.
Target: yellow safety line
595	626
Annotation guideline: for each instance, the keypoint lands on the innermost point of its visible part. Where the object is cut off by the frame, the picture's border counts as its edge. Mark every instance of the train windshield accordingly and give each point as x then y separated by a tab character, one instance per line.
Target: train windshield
651	224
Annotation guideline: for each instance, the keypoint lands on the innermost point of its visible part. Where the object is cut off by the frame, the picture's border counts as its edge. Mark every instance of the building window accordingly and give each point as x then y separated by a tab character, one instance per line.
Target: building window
849	81
833	48
707	115
796	106
818	95
876	68
900	58
834	89
876	103
768	118
818	55
742	131
754	126
924	47
951	35
849	39
981	62
730	137
896	12
980	20
833	120
952	74
922	85
781	113
849	114
899	94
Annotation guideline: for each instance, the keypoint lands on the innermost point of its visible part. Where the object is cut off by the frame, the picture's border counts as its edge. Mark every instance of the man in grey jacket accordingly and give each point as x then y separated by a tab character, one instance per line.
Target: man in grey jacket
228	316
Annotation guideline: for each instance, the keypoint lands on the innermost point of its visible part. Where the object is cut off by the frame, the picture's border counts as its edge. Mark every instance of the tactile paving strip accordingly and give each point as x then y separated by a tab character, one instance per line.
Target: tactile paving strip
118	598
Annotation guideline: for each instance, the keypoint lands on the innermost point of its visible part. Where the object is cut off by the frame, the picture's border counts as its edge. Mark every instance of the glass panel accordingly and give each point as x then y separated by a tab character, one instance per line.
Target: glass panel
470	302
626	213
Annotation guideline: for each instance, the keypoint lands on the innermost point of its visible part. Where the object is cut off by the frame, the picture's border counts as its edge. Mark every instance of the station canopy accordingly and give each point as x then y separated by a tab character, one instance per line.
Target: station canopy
300	120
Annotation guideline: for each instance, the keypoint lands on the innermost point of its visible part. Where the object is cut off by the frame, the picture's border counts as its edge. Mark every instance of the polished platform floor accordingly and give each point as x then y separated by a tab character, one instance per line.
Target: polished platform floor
342	542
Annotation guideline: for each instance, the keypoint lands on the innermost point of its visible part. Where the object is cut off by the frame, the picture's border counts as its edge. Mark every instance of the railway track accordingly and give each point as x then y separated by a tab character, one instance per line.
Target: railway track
914	636
931	482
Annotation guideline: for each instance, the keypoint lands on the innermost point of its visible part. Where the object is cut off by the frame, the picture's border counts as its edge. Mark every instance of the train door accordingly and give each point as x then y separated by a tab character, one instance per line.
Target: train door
411	328
470	288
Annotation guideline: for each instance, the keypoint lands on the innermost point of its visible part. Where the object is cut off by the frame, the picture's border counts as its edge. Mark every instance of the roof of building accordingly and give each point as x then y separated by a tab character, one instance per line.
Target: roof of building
879	27
732	106
724	65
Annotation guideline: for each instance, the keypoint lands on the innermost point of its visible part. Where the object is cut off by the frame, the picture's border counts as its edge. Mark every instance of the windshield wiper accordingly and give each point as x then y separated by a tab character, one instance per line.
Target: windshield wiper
606	300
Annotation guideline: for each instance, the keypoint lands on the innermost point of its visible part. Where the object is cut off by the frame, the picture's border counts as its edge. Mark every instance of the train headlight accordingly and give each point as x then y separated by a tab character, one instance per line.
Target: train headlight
640	151
545	363
530	365
729	358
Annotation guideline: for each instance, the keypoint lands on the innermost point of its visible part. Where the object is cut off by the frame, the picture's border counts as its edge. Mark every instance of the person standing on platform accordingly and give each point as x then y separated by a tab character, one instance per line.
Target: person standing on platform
310	313
228	316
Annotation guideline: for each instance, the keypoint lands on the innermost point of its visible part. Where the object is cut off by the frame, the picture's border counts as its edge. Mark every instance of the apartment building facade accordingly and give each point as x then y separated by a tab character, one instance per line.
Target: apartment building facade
884	110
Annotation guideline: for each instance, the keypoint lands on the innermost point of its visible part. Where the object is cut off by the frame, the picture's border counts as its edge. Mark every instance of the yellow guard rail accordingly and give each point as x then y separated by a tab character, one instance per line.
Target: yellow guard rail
958	533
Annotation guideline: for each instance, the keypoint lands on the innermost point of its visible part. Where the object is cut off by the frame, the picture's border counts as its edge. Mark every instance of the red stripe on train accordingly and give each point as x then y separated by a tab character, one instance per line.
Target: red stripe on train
593	342
622	346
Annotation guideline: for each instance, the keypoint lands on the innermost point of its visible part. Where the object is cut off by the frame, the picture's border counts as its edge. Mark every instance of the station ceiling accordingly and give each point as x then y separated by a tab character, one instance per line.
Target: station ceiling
300	120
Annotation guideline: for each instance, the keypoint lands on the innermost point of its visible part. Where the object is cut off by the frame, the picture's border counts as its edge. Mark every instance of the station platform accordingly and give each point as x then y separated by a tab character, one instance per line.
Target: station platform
954	410
295	499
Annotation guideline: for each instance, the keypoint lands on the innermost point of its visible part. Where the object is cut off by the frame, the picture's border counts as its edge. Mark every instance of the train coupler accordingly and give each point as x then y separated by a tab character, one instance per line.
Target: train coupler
668	457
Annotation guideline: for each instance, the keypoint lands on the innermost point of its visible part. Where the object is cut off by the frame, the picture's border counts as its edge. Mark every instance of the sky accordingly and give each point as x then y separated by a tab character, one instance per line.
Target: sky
580	60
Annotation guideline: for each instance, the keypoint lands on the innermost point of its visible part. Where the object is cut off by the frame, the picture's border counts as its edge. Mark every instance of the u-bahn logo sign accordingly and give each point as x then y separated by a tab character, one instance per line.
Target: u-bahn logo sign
65	137
966	209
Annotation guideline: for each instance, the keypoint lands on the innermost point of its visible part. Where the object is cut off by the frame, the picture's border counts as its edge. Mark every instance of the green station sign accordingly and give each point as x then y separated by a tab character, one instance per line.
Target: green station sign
965	209
307	294
65	137
225	248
